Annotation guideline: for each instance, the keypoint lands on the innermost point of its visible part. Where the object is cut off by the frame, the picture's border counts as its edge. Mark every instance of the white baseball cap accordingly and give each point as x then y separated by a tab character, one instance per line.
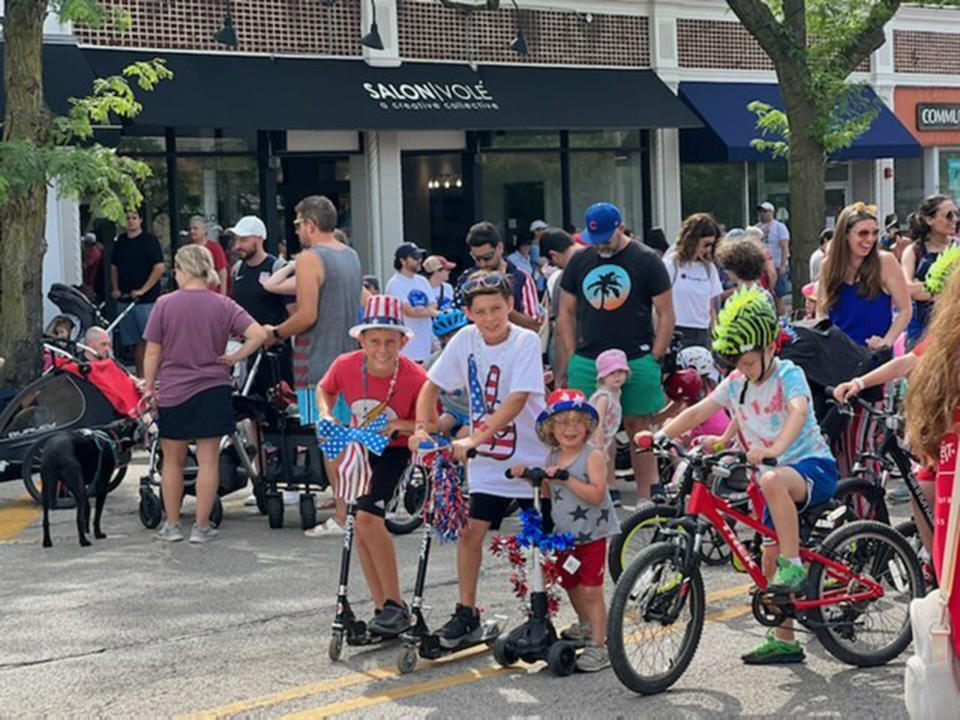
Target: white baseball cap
538	225
768	206
249	225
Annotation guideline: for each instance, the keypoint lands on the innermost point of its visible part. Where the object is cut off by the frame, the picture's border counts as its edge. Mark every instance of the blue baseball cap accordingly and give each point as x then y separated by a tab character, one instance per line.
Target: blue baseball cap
600	222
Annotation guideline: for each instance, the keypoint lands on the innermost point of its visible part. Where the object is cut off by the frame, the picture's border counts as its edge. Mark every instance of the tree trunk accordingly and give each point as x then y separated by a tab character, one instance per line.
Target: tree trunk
23	218
807	171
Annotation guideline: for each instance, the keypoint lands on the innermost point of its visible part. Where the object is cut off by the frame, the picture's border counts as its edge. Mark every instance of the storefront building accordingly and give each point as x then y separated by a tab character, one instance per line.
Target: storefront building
643	104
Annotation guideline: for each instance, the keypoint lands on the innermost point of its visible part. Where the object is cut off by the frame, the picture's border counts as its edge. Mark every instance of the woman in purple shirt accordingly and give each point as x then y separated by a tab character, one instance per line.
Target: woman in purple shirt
186	364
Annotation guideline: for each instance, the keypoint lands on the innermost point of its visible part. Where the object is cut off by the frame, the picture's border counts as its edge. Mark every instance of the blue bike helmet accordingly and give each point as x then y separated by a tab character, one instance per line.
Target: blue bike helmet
448	320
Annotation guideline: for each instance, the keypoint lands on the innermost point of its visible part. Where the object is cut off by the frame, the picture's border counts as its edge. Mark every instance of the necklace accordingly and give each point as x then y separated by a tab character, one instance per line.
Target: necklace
369	415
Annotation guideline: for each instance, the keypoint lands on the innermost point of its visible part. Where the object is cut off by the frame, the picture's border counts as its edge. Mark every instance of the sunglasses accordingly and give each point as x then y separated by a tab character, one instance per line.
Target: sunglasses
951	215
495	281
486	257
299	221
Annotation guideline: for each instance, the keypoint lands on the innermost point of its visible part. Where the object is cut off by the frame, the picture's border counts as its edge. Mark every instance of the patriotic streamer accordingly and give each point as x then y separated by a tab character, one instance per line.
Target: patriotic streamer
353	442
550	544
448	514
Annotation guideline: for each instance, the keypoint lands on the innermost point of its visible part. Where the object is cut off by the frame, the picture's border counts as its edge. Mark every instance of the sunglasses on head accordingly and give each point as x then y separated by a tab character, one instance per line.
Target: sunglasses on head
495	281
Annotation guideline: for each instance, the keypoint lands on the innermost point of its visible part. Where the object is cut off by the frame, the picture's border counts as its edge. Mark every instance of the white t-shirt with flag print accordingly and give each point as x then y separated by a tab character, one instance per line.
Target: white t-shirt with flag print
490	373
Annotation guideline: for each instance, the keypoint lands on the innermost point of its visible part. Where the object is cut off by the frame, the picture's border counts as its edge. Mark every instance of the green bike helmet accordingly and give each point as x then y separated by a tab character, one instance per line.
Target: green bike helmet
939	272
747	322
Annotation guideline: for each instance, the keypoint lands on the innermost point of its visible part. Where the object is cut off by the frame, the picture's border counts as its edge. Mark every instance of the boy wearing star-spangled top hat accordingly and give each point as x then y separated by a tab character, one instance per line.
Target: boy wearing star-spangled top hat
377	380
582	507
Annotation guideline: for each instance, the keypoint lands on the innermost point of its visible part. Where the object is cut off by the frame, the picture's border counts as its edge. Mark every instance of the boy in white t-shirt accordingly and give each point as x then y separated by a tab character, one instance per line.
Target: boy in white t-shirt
499	365
416	295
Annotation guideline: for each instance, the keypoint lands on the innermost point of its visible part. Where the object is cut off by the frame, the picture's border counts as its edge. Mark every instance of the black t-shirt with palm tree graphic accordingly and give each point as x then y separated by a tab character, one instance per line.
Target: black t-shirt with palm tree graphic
615	298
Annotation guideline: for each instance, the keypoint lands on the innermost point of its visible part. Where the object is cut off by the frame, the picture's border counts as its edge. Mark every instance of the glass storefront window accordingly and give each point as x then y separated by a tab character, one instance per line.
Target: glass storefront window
502	139
907	186
136	144
596	139
221	189
717	188
606	176
949	175
518	188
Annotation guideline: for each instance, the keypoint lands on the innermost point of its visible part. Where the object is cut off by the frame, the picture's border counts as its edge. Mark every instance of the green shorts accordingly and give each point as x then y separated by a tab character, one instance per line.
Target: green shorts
643	392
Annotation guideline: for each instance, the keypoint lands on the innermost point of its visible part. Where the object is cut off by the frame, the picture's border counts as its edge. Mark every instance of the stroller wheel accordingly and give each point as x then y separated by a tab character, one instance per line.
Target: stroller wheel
275	510
151	510
308	511
260	493
216	514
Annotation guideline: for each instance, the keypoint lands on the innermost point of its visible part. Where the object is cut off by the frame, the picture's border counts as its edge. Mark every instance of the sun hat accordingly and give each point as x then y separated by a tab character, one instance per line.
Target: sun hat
382	312
561	401
248	225
437	262
609	361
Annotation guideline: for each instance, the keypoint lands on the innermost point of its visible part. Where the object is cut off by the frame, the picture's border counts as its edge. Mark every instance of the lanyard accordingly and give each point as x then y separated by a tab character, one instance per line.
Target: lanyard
367	417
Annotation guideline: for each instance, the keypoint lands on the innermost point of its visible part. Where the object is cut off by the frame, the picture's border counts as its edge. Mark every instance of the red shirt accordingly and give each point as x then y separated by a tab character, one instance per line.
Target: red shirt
219	261
345	377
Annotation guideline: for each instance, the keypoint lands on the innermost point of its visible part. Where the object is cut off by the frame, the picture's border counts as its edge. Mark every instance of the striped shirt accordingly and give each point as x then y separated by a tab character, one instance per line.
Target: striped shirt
525	298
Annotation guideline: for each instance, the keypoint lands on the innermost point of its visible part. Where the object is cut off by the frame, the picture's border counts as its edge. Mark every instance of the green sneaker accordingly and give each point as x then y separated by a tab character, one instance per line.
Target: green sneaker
774	651
789	578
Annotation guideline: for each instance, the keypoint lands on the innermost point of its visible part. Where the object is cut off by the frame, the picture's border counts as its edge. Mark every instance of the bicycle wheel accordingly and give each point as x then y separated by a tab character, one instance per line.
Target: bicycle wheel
656	619
864	498
871	632
908	528
639	531
405	511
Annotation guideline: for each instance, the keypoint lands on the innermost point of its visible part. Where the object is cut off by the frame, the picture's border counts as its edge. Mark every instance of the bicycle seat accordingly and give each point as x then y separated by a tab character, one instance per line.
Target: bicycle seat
810	516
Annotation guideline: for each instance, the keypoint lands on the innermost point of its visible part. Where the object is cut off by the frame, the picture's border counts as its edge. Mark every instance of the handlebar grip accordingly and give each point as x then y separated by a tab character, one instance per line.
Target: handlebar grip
561	475
471	453
829	390
769	462
645	443
508	473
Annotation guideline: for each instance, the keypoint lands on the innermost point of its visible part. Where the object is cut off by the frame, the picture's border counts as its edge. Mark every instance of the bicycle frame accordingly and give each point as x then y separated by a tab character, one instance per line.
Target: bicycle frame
705	505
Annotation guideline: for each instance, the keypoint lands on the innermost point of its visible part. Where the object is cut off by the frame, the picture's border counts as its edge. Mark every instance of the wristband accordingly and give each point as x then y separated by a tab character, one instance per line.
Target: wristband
276	334
859	383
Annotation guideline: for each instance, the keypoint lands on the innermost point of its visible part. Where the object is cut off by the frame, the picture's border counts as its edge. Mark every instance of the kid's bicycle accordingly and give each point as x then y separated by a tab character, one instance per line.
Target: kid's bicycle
860	582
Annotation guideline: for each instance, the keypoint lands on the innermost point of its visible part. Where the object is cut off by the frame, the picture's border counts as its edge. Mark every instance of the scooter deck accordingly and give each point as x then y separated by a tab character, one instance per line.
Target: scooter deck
431	649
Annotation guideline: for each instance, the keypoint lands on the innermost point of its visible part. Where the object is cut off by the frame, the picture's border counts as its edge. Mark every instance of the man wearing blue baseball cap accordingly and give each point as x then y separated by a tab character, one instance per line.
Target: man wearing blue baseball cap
609	292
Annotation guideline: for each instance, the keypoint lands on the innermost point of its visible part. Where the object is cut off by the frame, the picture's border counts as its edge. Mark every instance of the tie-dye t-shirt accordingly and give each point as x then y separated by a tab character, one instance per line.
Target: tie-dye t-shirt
763	412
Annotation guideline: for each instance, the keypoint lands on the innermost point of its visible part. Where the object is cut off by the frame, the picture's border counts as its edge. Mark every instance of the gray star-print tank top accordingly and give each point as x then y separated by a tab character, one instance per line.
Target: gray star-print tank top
574	515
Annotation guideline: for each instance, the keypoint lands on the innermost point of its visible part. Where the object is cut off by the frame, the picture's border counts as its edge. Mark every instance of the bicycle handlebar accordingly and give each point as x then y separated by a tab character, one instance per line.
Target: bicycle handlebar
663	443
538	475
845	406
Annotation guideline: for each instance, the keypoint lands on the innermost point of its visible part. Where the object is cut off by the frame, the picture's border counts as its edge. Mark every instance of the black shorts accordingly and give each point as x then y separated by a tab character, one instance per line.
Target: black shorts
493	508
387	468
207	414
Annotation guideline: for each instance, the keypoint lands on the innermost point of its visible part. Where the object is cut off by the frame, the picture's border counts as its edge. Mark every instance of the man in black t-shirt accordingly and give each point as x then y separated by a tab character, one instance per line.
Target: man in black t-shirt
609	292
265	307
135	271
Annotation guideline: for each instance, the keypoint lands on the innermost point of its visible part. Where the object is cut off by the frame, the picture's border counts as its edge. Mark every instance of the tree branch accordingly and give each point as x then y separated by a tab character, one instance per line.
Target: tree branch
775	39
861	45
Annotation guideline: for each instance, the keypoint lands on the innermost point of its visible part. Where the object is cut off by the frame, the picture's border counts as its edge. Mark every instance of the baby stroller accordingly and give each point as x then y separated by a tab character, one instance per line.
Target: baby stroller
78	308
290	458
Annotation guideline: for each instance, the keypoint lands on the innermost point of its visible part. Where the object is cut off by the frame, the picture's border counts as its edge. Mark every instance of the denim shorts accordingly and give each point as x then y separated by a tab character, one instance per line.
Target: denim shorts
821	476
132	326
782	286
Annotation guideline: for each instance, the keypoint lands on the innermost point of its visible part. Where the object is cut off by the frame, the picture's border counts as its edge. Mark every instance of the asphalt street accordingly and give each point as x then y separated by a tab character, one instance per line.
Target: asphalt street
239	628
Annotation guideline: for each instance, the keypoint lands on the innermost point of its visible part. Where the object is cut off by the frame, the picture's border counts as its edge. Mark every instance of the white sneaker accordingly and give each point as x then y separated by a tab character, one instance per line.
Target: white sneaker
250	501
169	533
202	535
332	528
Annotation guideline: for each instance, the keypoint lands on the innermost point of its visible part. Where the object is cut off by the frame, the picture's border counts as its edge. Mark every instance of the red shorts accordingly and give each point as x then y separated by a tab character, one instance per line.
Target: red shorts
593	563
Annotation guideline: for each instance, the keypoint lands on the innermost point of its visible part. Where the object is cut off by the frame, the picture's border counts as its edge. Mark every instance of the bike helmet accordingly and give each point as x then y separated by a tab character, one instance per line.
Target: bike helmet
940	271
746	323
447	321
684	386
700	359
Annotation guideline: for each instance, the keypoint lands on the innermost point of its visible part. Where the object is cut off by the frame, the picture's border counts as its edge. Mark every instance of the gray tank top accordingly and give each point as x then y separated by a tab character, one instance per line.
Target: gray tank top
338	310
572	514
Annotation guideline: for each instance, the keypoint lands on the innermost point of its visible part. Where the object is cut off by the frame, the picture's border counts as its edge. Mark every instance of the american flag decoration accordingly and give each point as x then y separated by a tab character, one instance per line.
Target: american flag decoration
353	443
483	401
381	311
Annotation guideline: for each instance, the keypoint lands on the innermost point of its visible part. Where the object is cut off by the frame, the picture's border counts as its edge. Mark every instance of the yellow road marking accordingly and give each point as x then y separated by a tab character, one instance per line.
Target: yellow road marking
404	691
388	672
16	516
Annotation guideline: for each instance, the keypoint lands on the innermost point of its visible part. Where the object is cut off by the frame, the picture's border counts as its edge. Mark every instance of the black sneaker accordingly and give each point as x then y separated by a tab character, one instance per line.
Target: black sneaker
391	621
462	628
616	497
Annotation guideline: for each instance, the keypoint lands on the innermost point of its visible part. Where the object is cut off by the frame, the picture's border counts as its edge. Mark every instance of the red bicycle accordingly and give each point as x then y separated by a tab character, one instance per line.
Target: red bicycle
861	579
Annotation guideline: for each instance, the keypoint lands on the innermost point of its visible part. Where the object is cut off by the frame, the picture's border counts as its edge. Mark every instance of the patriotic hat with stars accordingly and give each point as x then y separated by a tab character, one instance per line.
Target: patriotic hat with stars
383	312
561	401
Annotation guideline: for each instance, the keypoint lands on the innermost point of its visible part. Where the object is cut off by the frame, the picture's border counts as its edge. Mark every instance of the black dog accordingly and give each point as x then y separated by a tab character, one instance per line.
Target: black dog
83	461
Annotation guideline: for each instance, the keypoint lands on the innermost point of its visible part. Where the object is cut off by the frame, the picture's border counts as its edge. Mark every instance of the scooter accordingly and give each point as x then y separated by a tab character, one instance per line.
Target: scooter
418	641
537	639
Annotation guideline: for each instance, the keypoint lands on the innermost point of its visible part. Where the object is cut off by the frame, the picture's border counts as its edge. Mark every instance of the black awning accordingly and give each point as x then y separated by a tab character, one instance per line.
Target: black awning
233	91
65	75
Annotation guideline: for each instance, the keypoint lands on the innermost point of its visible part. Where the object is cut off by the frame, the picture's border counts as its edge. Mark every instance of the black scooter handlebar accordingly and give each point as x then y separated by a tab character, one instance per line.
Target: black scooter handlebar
538	475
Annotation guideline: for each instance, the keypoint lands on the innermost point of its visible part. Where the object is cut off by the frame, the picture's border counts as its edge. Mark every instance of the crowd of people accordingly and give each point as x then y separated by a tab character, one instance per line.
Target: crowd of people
590	315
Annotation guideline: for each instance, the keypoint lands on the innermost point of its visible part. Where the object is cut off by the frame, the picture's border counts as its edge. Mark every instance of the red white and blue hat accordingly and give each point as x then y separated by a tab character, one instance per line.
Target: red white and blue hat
561	401
383	312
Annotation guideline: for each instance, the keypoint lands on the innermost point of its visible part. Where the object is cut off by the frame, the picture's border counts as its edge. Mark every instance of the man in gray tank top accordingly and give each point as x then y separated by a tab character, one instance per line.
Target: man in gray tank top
329	286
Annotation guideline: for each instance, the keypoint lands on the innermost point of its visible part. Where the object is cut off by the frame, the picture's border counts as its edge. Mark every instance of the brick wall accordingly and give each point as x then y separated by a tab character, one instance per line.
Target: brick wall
428	31
926	52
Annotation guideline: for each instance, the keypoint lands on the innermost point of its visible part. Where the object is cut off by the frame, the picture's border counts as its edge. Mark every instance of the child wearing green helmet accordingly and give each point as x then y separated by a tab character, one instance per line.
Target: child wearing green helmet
771	406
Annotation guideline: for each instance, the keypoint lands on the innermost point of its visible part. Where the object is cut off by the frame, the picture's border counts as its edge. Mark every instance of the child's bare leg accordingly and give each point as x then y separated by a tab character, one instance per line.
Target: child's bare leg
587	600
770	554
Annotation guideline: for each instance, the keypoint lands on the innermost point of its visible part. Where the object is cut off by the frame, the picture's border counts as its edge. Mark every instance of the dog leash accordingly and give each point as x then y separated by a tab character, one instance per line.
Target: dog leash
101	439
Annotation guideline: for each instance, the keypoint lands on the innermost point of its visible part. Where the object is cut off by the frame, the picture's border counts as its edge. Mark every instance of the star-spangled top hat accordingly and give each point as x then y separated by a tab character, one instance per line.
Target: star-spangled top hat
562	400
383	312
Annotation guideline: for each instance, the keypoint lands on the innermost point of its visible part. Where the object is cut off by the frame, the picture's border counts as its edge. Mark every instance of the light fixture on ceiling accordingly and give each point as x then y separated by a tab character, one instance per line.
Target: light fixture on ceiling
227	35
372	39
519	43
